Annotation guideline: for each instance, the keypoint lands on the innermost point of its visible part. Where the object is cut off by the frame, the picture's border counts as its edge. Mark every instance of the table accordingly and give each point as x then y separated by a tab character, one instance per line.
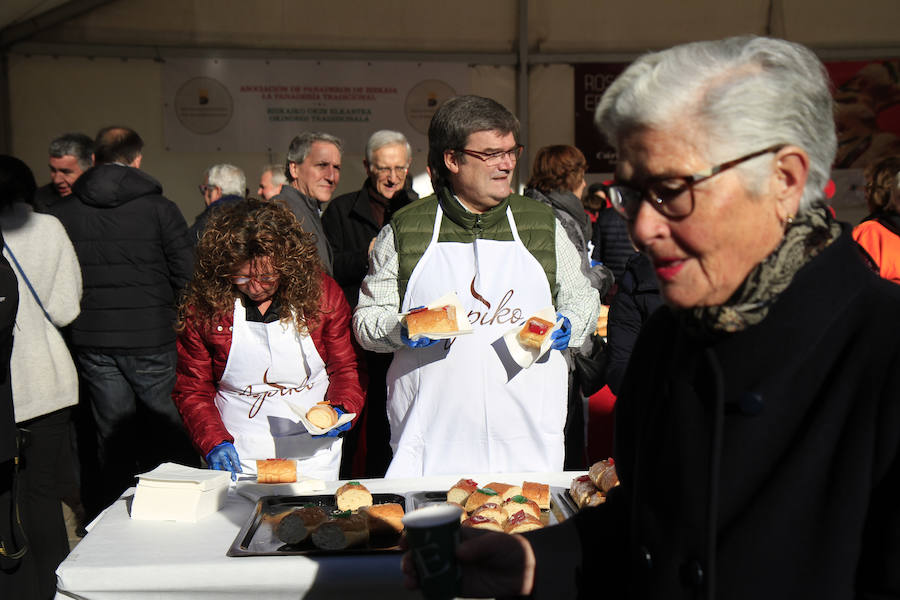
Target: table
123	559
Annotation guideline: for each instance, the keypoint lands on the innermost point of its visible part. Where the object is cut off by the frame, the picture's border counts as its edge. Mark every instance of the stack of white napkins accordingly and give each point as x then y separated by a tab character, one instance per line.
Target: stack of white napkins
173	492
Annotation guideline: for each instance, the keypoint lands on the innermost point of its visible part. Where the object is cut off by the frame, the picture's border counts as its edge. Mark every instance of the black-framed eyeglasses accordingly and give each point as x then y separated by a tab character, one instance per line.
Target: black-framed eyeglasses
203	187
262	279
385	171
492	159
667	194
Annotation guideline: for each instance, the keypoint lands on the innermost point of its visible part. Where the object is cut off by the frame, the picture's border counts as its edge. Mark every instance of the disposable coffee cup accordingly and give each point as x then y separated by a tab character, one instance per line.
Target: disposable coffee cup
433	535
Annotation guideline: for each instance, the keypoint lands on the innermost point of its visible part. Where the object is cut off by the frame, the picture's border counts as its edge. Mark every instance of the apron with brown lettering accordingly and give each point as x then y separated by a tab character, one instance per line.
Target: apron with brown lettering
273	375
462	405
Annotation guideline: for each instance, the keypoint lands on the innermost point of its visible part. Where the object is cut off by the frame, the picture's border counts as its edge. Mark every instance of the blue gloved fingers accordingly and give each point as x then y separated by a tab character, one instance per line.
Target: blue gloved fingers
224	457
594	263
422	342
562	335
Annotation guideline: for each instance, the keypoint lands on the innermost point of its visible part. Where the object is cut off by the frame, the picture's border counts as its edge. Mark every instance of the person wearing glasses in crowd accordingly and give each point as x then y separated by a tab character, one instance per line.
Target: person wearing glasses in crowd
264	334
461	404
222	185
758	426
351	223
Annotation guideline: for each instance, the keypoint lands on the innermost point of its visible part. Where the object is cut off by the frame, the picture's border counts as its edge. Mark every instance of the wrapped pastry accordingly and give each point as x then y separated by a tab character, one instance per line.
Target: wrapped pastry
352	495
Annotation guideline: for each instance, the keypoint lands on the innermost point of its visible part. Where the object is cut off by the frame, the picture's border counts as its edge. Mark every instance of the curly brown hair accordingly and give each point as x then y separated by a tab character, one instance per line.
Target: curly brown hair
883	184
243	231
557	168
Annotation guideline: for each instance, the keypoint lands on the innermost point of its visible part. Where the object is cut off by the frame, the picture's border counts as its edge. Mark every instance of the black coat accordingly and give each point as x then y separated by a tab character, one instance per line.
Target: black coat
612	246
135	255
349	227
763	464
9	303
196	230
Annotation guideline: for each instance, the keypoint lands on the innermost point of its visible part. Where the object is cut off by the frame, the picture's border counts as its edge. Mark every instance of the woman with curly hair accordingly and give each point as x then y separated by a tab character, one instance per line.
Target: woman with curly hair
264	335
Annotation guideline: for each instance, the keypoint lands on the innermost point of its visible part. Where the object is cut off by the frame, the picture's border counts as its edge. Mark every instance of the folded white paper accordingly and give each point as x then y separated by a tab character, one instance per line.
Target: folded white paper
253	491
312	429
173	492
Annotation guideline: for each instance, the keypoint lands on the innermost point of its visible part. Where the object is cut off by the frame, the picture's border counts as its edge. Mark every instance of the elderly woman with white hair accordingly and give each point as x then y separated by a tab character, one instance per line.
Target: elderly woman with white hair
758	425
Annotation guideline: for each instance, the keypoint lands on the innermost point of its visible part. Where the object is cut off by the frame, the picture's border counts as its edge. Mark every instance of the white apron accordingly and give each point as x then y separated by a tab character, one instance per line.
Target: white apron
463	405
271	376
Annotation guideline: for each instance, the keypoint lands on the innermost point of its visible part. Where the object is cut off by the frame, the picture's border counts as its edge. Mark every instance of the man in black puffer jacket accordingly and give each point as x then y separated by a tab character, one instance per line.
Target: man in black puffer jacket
135	255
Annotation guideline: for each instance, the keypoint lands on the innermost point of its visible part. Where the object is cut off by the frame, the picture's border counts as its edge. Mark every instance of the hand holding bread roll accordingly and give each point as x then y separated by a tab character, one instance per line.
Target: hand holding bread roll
322	415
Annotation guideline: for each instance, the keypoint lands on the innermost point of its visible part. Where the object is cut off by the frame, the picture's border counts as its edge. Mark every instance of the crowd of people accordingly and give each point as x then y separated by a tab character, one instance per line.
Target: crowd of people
750	344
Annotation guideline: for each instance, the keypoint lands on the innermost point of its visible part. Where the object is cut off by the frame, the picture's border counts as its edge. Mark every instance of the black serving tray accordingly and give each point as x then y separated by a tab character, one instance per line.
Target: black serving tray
257	536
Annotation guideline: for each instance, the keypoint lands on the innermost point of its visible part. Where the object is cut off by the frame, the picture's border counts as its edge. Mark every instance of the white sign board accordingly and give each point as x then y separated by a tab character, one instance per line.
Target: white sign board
242	105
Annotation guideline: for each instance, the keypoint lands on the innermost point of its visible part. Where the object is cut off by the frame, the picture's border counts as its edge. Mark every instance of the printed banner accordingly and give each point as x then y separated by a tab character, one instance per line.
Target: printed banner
591	80
242	105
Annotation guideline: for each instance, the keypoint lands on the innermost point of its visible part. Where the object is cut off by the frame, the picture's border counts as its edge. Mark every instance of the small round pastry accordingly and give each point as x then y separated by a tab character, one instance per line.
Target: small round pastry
322	415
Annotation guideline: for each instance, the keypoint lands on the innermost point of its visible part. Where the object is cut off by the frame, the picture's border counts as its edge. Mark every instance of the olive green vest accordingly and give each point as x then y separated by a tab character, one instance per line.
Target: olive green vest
413	226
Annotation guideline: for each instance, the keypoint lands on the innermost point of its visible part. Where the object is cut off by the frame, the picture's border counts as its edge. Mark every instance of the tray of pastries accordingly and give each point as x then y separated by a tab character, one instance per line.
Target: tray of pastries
351	521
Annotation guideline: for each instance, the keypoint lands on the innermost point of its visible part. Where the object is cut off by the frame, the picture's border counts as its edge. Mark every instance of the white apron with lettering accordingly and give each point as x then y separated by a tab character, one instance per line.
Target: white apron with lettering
462	405
273	374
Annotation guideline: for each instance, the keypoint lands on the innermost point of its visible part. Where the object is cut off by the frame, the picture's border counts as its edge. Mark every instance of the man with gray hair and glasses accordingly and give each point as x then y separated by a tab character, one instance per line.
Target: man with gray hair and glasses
222	185
351	223
313	169
71	155
463	404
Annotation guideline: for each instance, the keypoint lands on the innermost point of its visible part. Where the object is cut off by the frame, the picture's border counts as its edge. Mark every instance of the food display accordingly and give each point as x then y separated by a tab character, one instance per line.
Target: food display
322	415
295	526
424	321
341	531
276	470
591	489
534	332
502	506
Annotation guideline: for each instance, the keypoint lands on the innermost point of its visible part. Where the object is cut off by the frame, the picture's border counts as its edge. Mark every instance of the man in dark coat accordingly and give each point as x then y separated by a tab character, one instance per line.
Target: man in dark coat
135	255
71	155
351	223
313	169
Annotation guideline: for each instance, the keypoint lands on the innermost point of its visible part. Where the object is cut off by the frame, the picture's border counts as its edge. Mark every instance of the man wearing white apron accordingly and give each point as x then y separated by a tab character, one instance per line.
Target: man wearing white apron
462	405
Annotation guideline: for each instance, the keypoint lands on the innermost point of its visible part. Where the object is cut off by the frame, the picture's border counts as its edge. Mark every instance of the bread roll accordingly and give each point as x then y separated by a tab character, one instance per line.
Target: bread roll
491	511
426	321
276	470
352	495
517	503
522	522
481	522
343	531
480	496
383	518
538	492
603	474
322	415
296	526
505	490
461	491
582	490
534	332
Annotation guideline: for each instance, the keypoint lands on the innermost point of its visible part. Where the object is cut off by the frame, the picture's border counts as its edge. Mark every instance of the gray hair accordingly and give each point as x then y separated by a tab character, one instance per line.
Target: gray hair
300	146
456	120
745	93
386	137
228	178
74	144
277	172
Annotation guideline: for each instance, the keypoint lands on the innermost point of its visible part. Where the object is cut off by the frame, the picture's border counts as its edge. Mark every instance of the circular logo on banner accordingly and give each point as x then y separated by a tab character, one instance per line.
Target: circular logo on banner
423	100
203	105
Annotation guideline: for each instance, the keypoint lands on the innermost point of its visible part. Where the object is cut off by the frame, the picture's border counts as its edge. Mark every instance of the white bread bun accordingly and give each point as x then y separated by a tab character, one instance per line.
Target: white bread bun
322	415
431	320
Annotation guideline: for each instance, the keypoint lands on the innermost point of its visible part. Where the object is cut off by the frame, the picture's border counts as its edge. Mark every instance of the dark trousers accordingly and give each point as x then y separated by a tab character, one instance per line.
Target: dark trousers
136	423
45	460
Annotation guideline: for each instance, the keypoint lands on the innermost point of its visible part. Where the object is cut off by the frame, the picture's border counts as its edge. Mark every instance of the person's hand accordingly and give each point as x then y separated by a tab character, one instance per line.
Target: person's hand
224	457
422	342
562	335
336	431
595	263
493	564
371	245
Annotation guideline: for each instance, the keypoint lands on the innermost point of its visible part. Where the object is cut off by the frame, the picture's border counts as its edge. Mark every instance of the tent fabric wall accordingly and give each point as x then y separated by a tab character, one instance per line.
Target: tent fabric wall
50	94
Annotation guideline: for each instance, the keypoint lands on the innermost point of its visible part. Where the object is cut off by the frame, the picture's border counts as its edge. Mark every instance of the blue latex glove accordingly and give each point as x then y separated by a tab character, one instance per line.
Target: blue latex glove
422	342
224	457
562	335
336	431
594	263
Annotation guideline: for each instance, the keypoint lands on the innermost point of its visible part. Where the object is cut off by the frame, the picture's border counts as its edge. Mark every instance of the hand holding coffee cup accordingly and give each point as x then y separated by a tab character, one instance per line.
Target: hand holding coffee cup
432	534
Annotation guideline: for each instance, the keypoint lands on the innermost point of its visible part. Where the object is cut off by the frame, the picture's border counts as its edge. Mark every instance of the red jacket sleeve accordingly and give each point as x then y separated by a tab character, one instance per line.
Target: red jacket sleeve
195	388
347	377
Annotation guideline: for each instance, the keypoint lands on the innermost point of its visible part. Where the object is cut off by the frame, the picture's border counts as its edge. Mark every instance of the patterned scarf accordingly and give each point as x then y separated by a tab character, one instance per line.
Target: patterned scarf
804	238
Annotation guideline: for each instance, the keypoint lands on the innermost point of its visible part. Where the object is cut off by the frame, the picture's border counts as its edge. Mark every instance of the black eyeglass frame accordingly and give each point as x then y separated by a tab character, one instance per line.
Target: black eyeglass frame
496	157
626	199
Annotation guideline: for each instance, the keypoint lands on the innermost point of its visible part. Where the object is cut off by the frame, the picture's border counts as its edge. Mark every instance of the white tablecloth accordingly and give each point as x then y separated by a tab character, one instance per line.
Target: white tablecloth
123	559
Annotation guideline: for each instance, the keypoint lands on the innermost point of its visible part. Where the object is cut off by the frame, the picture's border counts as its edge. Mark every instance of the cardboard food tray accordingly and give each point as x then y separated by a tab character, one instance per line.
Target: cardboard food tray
257	536
561	507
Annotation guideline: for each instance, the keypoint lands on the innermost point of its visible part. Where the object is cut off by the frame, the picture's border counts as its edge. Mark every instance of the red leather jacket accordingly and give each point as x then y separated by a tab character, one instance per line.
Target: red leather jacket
203	354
